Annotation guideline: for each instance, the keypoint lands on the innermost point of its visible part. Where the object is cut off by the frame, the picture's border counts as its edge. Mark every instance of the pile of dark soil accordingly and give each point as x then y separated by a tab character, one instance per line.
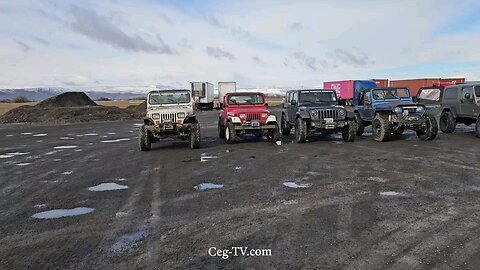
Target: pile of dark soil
67	99
71	107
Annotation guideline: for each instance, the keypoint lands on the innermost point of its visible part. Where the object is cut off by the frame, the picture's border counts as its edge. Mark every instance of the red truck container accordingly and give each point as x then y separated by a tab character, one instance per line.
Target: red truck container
415	84
381	82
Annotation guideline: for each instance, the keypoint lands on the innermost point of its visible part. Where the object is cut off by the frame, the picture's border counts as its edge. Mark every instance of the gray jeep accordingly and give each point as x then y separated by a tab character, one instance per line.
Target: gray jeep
169	115
315	110
460	104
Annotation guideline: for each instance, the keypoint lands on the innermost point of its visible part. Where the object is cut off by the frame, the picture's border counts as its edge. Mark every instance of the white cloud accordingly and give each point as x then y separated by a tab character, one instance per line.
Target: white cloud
258	43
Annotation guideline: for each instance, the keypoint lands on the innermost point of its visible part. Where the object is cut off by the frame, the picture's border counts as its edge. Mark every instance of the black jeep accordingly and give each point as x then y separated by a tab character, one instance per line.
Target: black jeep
315	110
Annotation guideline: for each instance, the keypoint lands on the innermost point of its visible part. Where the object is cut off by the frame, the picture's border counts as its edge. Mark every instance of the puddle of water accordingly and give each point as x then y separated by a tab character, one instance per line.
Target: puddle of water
66	138
59	213
78	150
205	158
377	179
6	156
390	193
26	133
121	179
67	173
116	140
23	164
9	135
18	153
295	185
40	135
39	141
65	147
278	143
91	134
111	133
42	205
129	241
205	186
107	187
57	159
137	125
79	135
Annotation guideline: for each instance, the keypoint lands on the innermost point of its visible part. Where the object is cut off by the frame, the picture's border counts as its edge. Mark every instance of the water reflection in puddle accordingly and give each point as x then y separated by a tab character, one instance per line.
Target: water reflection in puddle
205	186
107	187
129	241
295	185
116	140
390	193
58	213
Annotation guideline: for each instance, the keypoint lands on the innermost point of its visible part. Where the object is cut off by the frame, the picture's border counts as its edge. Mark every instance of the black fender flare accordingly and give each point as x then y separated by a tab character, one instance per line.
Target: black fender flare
303	115
450	109
192	119
148	121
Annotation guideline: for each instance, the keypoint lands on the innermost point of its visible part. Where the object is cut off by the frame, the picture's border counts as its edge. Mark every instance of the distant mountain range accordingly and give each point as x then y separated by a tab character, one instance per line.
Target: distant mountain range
114	93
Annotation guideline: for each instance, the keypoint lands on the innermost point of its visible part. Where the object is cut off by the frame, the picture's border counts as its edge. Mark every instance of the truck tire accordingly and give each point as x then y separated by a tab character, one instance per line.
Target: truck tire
195	136
447	122
301	131
348	132
145	139
285	126
274	134
221	129
477	127
360	126
430	131
381	129
230	133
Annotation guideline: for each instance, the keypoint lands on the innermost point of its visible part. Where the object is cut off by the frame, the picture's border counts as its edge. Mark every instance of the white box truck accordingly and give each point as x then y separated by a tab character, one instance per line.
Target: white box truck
224	88
203	95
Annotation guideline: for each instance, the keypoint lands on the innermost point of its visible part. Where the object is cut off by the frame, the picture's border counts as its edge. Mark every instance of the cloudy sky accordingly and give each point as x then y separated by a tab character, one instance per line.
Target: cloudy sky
256	43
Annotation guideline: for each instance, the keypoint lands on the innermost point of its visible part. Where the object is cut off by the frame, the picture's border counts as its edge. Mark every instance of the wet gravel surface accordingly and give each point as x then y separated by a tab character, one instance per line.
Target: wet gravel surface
84	196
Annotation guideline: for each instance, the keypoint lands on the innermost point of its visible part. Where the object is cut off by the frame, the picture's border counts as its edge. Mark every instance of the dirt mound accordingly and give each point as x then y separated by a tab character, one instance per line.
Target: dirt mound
34	114
138	110
67	99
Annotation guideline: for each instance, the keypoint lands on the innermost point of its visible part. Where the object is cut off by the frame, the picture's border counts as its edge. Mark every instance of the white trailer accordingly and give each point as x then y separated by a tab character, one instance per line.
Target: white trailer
203	95
224	88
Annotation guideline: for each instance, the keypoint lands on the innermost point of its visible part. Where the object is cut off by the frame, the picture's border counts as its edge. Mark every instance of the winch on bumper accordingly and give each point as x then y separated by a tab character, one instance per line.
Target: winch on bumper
409	121
328	124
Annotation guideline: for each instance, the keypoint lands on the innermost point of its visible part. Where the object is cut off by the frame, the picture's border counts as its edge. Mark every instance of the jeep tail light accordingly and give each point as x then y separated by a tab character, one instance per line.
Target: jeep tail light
264	115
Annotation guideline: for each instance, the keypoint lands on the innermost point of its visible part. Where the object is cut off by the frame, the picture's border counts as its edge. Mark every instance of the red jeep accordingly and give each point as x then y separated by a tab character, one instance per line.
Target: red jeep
246	113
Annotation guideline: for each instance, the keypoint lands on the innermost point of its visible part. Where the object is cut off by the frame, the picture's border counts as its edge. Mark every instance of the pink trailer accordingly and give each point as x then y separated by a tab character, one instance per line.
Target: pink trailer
344	89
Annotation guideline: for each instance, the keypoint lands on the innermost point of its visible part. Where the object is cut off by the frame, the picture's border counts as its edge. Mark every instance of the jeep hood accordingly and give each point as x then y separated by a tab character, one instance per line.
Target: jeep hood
388	105
247	109
319	107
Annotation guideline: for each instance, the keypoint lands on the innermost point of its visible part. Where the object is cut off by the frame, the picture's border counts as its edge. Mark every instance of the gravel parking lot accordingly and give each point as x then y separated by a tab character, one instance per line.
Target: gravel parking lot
326	204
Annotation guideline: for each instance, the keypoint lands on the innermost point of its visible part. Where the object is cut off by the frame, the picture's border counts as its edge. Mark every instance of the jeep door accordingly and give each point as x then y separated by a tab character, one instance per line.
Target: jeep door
467	102
366	112
286	105
292	111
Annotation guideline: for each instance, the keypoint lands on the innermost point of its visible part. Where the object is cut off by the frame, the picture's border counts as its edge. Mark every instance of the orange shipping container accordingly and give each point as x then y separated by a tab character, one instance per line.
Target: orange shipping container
381	82
453	80
415	84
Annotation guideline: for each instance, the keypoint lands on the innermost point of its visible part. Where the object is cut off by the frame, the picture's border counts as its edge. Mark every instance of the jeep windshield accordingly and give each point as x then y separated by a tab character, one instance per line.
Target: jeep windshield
254	99
169	97
396	93
317	97
431	94
477	91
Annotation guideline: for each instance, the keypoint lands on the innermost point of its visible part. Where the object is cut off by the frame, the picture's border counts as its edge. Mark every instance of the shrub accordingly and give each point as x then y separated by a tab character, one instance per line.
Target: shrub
103	99
20	99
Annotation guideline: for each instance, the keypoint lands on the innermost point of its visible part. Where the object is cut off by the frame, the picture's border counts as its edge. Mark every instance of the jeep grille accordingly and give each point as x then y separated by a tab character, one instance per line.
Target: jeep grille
327	113
253	116
168	117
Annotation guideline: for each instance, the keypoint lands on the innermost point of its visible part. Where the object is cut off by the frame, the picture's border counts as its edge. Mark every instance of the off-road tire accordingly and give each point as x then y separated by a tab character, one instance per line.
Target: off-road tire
348	132
230	133
285	127
145	139
301	130
221	130
447	122
477	127
381	129
274	134
195	136
360	126
398	131
430	131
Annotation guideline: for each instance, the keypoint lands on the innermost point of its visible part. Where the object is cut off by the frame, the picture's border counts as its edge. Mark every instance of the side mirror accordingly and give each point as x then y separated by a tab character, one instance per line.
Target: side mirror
467	96
266	104
293	102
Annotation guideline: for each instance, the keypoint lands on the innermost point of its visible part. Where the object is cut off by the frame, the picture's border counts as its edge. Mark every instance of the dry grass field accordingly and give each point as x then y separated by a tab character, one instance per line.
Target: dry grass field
5	107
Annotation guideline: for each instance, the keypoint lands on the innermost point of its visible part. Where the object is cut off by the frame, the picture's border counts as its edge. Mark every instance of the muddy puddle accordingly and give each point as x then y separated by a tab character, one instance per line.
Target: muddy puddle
206	186
59	213
295	185
107	187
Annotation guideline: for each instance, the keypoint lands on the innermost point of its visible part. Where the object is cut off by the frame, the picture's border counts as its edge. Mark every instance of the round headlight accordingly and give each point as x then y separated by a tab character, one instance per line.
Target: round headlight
420	109
264	115
155	116
398	110
342	112
313	113
242	115
181	115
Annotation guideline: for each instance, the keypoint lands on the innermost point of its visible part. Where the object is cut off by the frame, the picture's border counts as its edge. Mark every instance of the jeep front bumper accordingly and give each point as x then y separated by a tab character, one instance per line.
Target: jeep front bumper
254	125
411	121
330	125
